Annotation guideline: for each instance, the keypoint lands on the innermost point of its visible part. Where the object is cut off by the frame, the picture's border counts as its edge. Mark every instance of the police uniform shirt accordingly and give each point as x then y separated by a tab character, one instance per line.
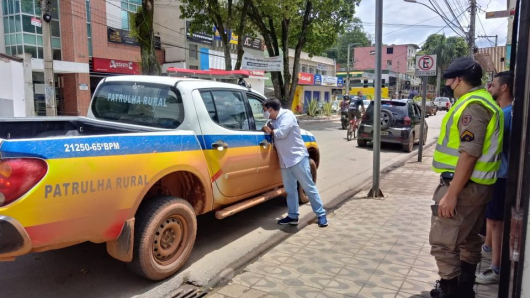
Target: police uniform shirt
472	127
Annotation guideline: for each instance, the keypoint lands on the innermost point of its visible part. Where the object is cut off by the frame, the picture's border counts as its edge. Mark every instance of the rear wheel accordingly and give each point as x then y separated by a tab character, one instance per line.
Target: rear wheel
361	143
302	197
164	236
409	146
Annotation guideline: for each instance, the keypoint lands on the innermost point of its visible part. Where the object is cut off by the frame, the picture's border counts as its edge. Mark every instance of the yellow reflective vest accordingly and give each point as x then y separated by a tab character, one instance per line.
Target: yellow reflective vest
447	149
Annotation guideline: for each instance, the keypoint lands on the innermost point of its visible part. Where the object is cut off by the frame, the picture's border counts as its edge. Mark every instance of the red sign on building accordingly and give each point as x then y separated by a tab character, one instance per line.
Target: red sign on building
115	66
306	78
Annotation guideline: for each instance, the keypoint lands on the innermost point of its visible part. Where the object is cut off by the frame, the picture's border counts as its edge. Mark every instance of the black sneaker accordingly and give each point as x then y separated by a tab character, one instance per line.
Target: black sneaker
288	221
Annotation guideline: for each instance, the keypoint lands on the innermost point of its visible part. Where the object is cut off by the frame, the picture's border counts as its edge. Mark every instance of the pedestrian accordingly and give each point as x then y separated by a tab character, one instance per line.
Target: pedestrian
467	156
501	90
294	162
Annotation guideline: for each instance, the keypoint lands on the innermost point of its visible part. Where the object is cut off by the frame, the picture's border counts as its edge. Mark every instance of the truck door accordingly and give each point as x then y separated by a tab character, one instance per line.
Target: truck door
230	145
269	172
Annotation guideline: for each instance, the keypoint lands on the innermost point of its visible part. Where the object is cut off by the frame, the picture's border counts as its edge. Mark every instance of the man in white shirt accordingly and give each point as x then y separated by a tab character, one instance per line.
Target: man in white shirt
294	162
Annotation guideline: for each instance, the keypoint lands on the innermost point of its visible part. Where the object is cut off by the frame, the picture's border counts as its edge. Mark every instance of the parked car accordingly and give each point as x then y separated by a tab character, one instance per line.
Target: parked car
152	154
442	103
400	124
430	108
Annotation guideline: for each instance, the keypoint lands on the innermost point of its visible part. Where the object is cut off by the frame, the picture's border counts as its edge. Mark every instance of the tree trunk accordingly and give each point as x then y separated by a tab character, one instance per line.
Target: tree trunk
217	20
143	26
240	29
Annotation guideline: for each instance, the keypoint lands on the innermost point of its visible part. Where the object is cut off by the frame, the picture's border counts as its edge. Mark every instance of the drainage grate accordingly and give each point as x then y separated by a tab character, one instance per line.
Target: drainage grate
189	291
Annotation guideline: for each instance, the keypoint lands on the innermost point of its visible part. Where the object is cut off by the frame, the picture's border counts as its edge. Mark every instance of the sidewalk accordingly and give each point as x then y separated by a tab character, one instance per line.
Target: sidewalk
371	248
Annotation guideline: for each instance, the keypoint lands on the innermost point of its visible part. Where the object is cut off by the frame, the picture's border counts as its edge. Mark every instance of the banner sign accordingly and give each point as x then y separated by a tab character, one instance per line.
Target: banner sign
250	62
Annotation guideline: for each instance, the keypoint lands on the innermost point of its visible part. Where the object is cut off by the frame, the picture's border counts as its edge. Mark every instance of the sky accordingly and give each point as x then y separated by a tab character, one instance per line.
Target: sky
404	13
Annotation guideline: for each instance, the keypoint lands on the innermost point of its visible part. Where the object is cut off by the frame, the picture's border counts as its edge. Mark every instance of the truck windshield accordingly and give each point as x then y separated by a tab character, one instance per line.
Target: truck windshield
139	103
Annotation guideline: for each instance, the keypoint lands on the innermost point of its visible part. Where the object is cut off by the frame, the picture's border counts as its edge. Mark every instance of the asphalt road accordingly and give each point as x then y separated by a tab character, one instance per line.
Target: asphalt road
86	270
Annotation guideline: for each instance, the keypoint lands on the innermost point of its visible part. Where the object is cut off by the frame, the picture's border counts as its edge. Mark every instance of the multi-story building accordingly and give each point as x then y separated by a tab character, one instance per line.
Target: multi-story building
398	60
90	40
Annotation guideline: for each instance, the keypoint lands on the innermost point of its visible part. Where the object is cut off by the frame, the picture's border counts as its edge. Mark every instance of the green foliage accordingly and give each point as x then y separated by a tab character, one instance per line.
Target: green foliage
354	34
327	109
446	49
141	27
313	108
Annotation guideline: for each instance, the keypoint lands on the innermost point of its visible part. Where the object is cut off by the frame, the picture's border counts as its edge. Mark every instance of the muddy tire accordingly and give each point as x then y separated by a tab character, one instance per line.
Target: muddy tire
409	146
165	230
302	197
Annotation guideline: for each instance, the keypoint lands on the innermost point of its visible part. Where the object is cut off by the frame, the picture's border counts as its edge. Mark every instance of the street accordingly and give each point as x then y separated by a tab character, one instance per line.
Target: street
86	270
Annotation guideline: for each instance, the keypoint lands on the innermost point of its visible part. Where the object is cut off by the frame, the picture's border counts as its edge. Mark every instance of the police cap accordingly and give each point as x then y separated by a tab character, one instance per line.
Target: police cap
460	66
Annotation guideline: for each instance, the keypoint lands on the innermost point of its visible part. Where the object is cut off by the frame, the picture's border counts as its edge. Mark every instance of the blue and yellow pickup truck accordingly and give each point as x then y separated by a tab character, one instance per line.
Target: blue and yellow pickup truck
151	155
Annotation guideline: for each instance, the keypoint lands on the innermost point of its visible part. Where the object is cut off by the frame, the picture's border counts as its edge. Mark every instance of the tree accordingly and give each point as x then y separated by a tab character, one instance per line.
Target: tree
310	25
226	16
446	50
354	34
141	24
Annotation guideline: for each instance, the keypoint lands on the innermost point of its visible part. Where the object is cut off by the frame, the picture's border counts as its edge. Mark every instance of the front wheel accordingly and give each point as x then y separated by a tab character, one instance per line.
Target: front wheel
302	197
164	236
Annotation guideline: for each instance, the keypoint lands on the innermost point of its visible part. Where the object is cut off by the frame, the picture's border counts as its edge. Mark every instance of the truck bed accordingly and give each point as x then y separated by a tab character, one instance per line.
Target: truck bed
49	127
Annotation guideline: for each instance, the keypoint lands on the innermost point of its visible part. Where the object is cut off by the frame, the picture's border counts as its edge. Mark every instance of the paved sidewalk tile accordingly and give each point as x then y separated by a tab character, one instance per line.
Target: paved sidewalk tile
373	248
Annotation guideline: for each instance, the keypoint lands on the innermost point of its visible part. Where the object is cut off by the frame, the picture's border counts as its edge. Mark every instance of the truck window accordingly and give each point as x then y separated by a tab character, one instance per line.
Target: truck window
141	104
226	108
256	106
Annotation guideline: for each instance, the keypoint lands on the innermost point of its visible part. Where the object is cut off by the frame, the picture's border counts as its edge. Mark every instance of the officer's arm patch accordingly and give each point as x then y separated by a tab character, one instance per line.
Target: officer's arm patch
466	120
467	136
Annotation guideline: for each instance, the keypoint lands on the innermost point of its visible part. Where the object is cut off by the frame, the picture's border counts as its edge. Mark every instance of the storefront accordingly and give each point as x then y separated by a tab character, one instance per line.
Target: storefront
102	68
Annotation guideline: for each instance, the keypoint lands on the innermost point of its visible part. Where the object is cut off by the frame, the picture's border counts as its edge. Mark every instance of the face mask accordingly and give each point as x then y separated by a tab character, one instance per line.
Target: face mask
450	91
267	115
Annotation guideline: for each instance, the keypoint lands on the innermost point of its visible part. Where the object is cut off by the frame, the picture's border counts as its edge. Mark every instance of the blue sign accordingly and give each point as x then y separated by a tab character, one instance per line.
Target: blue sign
340	82
318	79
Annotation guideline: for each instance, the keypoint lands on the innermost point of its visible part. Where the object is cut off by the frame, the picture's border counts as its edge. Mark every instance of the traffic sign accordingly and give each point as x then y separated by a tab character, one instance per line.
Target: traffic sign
426	65
499	14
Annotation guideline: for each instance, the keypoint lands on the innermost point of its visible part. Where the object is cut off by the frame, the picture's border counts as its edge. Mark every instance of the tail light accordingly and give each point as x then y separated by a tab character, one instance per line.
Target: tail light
364	117
18	176
407	121
447	104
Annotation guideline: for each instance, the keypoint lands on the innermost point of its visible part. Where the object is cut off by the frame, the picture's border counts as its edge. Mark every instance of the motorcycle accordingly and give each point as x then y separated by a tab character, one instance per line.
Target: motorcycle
344	118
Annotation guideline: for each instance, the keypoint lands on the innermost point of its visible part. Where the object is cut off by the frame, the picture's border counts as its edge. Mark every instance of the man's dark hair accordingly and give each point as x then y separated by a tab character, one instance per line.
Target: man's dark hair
473	76
273	103
506	77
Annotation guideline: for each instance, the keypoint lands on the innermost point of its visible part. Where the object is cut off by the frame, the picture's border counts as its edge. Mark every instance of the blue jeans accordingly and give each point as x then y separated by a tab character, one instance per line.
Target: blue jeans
301	172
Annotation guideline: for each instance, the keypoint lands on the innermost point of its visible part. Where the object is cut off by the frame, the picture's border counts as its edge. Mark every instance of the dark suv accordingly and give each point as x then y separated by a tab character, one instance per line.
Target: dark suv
400	124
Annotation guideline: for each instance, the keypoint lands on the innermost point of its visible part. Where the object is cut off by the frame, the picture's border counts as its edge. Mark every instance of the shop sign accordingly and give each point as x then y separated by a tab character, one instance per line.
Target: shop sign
340	82
329	81
318	79
115	66
253	43
200	37
257	73
124	37
36	22
306	78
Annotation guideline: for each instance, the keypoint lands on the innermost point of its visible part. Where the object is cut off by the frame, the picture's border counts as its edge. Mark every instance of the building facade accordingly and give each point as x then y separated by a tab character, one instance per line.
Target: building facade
398	60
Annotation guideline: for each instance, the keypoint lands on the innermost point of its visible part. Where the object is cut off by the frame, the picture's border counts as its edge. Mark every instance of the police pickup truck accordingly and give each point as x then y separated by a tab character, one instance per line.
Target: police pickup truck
152	154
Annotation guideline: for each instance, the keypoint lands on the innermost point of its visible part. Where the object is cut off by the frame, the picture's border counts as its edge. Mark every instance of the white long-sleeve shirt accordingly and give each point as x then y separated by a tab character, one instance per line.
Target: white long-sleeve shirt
288	139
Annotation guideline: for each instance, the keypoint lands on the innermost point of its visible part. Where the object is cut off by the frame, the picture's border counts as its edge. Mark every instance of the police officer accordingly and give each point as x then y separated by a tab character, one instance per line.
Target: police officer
467	156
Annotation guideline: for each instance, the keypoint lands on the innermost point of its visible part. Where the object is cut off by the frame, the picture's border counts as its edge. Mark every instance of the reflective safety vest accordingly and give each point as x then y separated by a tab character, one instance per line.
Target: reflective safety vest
447	149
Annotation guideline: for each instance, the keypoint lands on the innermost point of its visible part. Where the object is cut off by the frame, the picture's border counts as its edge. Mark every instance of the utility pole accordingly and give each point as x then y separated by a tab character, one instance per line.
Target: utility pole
472	19
49	78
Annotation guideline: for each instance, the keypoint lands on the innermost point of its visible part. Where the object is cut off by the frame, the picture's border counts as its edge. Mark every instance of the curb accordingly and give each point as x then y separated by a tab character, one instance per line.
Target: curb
236	267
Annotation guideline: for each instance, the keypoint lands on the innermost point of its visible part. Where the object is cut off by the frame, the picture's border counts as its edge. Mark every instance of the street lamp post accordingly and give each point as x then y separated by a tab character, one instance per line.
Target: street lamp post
348	68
